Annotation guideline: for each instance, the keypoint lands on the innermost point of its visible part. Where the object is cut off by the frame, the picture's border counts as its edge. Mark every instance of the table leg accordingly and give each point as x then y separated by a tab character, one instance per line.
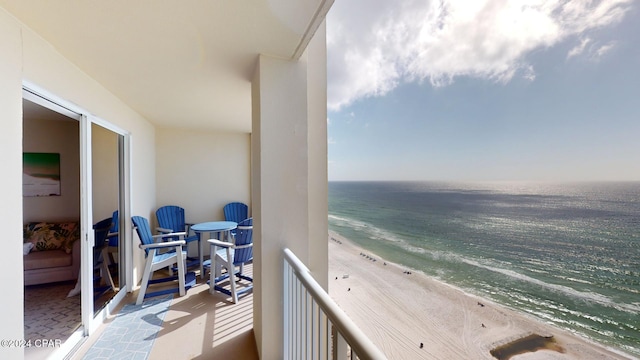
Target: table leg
201	252
212	276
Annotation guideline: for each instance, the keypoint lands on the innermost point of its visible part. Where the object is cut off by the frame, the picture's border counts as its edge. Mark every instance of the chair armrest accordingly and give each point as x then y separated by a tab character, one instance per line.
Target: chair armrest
217	242
164	237
164	230
163	244
171	234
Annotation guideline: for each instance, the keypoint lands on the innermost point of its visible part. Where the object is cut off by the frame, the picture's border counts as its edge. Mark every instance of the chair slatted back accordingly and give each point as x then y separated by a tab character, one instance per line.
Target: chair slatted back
171	217
243	242
115	226
101	230
236	211
144	230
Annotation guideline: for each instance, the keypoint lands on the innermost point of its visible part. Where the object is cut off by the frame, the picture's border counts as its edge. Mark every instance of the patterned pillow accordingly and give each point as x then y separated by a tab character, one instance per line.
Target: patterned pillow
52	236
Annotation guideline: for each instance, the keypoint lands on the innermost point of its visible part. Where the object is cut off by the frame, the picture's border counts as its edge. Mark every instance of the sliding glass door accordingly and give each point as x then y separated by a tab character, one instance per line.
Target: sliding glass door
101	161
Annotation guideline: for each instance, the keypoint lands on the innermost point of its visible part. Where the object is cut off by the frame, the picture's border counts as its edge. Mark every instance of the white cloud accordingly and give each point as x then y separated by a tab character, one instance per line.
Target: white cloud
593	51
529	73
602	50
578	49
374	45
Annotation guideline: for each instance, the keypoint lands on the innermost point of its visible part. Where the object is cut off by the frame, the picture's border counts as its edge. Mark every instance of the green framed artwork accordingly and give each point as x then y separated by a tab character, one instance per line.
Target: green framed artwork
41	174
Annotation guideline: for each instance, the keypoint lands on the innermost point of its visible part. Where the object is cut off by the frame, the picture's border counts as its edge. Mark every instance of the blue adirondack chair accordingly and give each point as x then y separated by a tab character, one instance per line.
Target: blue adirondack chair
101	230
171	219
155	260
112	241
236	211
231	256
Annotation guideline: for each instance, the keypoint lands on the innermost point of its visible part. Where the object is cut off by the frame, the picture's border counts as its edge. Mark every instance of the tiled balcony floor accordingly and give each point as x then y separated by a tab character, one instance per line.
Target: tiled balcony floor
199	325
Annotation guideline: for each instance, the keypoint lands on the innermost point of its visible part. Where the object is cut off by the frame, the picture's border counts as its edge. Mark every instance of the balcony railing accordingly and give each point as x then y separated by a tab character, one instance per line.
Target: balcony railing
315	327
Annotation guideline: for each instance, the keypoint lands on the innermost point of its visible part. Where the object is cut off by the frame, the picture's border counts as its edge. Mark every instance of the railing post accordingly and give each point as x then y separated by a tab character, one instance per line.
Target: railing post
334	343
342	348
315	327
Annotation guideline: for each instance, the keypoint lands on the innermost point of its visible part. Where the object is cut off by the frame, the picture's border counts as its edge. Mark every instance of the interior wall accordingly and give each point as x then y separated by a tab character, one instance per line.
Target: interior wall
215	166
62	137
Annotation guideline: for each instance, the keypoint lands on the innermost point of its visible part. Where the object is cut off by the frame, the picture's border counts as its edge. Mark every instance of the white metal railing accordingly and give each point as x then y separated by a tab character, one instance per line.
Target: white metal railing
315	327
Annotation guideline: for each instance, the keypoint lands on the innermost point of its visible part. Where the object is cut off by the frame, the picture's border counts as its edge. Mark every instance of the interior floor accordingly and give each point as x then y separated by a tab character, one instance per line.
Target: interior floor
49	313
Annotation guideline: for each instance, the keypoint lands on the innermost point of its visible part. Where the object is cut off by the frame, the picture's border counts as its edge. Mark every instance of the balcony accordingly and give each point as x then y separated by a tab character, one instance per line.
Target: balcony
198	325
206	326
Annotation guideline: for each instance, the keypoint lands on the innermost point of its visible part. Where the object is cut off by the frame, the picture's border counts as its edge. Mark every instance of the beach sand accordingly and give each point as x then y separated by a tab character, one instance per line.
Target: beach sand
399	311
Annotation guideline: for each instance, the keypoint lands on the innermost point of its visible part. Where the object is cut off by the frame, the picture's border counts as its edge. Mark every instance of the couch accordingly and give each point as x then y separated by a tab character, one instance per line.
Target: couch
51	252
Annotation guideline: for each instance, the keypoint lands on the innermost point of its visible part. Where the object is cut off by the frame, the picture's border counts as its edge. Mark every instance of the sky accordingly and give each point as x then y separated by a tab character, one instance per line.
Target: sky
484	90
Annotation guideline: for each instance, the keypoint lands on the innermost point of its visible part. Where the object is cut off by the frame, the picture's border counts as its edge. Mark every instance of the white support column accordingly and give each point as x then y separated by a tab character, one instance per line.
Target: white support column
279	189
316	57
289	180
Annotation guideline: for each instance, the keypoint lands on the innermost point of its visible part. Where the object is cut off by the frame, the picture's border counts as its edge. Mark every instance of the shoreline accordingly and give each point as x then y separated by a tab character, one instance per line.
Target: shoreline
410	315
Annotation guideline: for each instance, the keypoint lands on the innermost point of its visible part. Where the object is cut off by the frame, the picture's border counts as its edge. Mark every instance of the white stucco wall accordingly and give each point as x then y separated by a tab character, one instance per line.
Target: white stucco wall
318	257
11	190
202	171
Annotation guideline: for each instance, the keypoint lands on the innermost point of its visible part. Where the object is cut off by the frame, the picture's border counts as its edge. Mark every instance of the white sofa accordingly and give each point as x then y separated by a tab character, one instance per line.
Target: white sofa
55	255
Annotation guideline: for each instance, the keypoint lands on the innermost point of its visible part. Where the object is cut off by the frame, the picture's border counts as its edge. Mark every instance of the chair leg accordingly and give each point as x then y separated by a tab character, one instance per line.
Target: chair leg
232	277
105	269
146	276
181	259
213	270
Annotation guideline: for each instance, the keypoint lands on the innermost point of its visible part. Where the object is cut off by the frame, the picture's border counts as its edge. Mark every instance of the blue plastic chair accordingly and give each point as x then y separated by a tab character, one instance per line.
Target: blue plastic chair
155	260
231	256
112	240
101	230
171	219
236	211
112	236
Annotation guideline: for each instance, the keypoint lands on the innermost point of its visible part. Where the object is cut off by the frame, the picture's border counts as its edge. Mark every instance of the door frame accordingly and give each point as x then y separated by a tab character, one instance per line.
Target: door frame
91	321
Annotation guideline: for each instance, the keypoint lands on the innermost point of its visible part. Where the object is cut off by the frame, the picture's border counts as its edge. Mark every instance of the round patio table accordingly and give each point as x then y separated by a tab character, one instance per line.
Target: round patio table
206	228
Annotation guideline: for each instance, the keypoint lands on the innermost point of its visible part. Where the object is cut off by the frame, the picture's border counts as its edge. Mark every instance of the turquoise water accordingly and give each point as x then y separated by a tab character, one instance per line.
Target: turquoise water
568	254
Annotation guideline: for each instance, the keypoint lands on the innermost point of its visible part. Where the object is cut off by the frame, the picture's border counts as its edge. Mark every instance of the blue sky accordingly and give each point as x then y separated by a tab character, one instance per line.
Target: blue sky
496	90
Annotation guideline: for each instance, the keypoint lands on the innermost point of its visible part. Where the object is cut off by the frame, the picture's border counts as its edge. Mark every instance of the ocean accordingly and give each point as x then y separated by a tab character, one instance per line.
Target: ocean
565	253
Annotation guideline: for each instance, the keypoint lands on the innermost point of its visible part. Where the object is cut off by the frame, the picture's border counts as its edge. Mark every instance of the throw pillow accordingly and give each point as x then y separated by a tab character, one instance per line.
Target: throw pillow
70	232
52	236
42	236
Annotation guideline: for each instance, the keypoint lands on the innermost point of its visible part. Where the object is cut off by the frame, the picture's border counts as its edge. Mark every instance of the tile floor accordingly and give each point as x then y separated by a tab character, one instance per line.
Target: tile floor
132	332
49	313
199	325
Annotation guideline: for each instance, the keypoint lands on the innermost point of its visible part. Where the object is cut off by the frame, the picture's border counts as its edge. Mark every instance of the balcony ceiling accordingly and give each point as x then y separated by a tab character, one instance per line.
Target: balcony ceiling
178	63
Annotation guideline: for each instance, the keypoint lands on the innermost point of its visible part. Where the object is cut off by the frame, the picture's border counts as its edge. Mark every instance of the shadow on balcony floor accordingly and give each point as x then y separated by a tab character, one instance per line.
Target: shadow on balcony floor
199	325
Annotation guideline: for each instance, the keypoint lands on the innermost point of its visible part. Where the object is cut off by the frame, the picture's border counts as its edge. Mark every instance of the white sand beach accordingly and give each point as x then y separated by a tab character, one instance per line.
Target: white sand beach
399	311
